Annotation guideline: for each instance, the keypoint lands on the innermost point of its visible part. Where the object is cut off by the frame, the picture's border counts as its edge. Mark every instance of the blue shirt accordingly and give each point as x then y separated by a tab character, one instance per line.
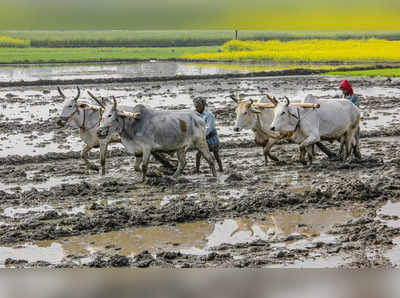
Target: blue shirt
209	119
354	99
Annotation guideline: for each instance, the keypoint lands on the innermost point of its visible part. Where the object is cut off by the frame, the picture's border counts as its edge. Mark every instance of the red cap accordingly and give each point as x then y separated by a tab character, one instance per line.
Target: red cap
346	86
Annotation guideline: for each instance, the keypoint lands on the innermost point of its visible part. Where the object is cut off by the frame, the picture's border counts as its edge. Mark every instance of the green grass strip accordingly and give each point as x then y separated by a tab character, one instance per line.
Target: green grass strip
388	72
41	55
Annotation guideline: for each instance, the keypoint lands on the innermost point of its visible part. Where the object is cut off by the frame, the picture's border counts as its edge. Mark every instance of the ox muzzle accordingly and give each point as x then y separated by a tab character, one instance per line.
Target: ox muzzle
62	121
103	132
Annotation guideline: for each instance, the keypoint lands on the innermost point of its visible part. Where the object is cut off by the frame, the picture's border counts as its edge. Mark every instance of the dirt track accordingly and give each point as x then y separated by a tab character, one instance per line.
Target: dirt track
55	212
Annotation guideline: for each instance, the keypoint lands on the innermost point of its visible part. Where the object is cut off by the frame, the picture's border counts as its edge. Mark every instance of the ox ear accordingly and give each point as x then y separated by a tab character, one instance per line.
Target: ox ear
273	100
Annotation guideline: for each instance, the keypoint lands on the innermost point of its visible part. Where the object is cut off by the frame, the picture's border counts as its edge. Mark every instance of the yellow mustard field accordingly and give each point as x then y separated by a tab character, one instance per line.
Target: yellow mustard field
10	42
316	50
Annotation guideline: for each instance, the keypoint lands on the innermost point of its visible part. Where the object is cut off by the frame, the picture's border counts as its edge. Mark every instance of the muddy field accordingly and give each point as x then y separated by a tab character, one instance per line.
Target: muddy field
54	212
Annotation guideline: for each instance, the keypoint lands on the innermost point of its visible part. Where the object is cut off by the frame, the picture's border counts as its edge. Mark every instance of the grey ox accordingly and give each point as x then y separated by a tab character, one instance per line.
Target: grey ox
87	118
259	120
147	131
336	119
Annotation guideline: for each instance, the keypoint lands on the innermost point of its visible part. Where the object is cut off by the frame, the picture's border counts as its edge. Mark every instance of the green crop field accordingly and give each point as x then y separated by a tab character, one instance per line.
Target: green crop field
389	72
175	38
34	55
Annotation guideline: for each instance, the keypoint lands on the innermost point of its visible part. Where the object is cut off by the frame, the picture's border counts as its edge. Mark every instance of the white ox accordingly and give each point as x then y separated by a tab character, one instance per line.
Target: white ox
259	120
336	119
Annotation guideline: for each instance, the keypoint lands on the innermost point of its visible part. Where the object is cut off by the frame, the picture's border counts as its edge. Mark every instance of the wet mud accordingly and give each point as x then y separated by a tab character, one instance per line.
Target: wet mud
54	212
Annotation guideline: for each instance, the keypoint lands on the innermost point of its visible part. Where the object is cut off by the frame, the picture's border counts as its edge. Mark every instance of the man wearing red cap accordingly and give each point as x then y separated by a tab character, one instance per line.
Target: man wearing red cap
348	92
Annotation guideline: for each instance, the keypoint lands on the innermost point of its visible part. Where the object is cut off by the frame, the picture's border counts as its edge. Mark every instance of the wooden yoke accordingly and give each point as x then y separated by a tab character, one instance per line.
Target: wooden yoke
302	105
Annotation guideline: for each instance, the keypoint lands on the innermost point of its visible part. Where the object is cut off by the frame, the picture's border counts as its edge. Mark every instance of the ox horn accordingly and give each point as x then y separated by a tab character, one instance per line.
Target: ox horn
96	100
251	101
61	93
233	97
79	94
272	99
287	101
114	102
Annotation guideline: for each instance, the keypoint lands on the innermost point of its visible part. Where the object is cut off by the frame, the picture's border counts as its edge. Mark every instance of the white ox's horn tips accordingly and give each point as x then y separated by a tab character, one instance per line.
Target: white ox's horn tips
114	102
272	99
61	93
79	93
96	100
233	97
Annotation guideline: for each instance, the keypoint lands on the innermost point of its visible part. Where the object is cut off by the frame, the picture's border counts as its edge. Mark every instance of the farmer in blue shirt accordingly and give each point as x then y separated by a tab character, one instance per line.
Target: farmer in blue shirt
211	132
348	92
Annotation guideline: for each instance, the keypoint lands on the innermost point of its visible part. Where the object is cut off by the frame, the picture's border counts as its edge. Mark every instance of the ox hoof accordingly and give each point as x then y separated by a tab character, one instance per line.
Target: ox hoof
94	168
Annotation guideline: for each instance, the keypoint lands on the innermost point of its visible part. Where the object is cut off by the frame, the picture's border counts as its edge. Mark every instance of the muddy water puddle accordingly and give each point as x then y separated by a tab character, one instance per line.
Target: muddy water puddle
391	210
15	212
390	215
36	144
195	238
313	261
43	185
380	119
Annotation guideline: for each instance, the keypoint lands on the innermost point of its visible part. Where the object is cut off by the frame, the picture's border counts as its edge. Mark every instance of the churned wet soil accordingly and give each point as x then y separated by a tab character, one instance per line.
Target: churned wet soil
54	212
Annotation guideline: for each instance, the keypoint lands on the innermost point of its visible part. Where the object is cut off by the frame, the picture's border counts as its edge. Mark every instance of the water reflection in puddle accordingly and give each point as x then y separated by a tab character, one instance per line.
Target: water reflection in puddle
34	144
15	212
200	237
45	185
394	254
53	254
316	262
393	210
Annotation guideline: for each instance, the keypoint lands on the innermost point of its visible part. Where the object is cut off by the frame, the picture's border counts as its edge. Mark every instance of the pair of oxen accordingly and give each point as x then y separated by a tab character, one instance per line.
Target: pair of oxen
305	123
143	131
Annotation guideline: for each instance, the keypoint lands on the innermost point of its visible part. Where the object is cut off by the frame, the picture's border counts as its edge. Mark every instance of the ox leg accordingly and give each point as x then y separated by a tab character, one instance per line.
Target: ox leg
307	145
342	145
267	151
218	159
302	157
324	149
138	162
145	162
203	148
163	160
310	153
84	156
356	148
198	158
181	162
103	153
